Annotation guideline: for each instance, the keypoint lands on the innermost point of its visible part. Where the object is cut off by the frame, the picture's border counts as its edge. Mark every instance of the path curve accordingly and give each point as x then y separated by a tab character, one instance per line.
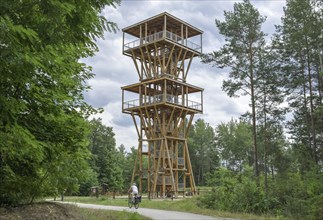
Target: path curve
155	214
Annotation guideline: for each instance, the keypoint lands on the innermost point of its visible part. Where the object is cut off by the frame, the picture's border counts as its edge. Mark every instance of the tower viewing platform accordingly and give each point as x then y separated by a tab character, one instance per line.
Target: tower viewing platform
163	42
162	104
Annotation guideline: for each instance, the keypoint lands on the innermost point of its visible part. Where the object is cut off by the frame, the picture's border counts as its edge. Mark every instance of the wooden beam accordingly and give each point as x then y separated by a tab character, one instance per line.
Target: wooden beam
143	60
123	34
135	122
158	56
170	119
201	42
135	62
188	66
165	26
140	166
190	170
170	165
150	127
157	117
176	124
143	123
189	125
140	35
202	101
170	56
135	167
151	66
176	70
182	66
158	164
186	36
182	34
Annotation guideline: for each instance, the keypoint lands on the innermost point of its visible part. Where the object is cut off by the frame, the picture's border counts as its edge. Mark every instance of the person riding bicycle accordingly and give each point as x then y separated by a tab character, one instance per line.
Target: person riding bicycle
134	191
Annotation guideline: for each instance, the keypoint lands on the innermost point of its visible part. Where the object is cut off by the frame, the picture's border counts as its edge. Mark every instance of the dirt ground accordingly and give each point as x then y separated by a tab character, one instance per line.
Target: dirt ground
40	211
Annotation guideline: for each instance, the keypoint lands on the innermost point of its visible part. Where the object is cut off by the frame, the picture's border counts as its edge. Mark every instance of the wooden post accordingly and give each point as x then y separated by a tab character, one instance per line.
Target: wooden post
123	34
182	34
165	26
186	36
201	42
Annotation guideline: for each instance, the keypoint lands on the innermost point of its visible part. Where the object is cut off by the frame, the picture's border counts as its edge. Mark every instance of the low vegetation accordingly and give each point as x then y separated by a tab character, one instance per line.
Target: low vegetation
290	196
48	210
191	205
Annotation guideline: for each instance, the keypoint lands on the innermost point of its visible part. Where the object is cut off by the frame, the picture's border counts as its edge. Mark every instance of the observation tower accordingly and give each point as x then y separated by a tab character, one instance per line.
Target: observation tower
162	104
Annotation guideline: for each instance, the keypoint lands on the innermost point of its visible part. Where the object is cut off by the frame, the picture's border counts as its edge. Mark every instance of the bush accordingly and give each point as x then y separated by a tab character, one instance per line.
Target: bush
292	195
237	193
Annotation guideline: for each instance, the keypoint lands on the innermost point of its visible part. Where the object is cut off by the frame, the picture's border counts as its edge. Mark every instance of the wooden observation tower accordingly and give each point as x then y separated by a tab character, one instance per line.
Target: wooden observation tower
162	104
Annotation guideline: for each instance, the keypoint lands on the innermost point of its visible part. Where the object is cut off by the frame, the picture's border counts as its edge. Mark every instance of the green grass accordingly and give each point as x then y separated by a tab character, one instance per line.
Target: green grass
97	214
184	205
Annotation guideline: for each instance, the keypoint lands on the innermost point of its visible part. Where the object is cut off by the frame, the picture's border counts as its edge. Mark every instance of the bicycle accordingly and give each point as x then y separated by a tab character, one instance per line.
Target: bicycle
134	203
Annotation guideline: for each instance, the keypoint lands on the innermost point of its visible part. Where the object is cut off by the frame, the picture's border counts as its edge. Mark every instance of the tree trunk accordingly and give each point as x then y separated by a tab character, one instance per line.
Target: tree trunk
309	74
320	78
253	107
265	144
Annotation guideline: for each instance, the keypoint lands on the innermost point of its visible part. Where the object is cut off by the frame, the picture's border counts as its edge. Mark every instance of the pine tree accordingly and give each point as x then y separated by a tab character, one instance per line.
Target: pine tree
244	40
299	39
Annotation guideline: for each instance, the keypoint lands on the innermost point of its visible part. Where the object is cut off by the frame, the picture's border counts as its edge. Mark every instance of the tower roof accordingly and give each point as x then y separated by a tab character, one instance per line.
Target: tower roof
157	22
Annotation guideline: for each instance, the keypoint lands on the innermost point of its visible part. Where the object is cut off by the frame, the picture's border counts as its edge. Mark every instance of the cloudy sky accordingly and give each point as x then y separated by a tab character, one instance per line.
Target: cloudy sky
114	70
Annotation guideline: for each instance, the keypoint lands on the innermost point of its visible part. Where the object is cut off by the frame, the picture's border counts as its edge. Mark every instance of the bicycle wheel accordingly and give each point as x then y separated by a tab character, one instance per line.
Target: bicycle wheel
130	203
136	204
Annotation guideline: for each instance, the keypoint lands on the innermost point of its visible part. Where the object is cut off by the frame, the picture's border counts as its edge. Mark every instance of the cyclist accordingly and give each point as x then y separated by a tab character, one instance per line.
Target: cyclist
134	191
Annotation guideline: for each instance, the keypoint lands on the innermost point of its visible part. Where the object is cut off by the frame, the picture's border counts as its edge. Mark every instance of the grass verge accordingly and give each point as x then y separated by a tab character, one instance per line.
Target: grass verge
97	214
184	205
50	210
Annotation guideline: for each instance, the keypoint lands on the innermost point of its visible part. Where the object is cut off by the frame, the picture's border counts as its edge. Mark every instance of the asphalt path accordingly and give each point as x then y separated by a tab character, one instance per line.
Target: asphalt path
155	214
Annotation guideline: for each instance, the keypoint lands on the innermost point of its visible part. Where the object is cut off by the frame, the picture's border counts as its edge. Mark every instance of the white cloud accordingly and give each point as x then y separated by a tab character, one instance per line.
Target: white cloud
114	70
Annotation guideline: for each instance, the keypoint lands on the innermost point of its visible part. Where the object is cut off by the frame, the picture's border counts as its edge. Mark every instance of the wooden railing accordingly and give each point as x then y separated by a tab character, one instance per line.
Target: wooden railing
162	98
160	35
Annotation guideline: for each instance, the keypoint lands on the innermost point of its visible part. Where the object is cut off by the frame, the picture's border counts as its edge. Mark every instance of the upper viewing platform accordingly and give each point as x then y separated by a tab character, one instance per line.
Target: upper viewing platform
162	27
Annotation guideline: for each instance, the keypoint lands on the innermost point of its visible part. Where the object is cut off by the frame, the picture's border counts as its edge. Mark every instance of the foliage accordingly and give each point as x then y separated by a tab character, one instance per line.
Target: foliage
285	72
106	160
130	158
85	186
237	193
299	42
204	156
233	140
244	43
289	195
43	130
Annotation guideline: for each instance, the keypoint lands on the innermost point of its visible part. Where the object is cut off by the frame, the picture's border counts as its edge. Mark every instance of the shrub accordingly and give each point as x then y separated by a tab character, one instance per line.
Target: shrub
292	195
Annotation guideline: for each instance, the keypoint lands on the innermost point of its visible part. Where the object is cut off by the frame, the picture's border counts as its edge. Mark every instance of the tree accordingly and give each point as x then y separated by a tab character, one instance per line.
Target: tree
299	40
204	157
130	162
233	141
106	159
269	98
43	130
244	40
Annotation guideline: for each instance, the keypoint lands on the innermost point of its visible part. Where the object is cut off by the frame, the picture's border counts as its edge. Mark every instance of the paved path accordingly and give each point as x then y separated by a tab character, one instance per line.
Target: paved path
151	213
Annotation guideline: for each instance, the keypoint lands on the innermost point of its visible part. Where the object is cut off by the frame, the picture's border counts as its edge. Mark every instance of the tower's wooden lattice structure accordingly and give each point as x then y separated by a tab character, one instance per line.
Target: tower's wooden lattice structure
162	104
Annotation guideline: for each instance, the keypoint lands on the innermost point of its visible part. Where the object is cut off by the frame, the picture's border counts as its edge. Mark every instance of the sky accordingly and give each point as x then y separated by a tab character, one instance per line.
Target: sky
113	70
